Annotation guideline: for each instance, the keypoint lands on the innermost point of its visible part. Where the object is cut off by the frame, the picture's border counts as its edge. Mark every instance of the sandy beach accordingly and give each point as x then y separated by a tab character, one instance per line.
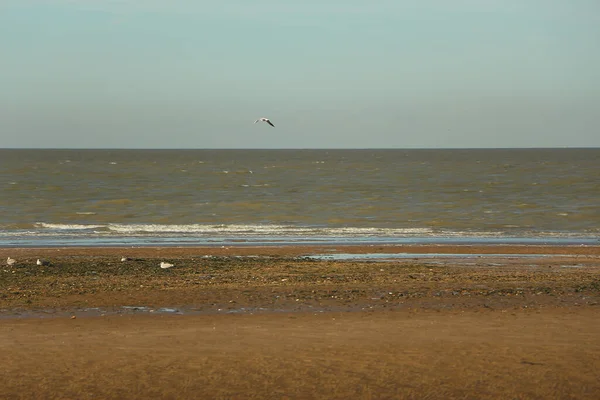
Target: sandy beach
251	322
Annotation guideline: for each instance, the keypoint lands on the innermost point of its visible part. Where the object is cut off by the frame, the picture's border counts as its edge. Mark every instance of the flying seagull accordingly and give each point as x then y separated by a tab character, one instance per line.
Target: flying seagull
265	120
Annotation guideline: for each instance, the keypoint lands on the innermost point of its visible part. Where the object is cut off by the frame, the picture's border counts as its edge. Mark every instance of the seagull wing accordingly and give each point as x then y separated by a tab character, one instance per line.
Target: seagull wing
256	120
269	122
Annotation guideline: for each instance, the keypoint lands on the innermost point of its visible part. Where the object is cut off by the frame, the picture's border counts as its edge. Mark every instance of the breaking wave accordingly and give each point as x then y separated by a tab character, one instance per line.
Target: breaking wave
116	234
233	229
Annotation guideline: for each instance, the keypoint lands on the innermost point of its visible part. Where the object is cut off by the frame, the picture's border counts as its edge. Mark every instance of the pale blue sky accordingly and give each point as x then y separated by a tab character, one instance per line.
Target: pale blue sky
329	74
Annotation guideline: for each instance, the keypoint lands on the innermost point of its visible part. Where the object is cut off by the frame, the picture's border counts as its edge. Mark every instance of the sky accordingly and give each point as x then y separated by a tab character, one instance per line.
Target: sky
329	74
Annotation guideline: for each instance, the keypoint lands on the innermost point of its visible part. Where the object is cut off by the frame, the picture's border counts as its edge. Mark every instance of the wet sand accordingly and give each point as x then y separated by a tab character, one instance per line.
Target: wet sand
270	323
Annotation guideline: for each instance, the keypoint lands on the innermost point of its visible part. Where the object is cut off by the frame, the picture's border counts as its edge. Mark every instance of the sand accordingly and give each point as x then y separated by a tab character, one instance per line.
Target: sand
264	323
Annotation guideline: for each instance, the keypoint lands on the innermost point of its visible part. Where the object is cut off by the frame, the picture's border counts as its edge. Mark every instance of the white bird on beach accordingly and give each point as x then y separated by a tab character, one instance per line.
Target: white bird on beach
165	265
123	259
42	262
10	261
265	120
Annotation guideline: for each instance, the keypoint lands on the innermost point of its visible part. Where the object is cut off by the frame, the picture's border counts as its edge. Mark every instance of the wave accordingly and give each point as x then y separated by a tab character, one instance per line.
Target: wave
69	227
236	229
116	234
264	230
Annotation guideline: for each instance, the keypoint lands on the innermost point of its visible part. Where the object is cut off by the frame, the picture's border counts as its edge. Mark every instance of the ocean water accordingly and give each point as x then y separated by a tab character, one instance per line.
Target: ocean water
245	197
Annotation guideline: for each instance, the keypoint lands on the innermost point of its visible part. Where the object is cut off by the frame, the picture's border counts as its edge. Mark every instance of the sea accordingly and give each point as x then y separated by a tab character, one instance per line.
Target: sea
54	197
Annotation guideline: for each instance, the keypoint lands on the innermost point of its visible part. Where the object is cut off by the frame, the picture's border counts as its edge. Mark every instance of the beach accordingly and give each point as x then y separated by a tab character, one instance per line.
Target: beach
438	321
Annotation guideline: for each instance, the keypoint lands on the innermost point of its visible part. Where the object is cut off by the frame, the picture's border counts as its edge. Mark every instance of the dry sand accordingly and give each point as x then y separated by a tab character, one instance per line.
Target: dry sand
480	328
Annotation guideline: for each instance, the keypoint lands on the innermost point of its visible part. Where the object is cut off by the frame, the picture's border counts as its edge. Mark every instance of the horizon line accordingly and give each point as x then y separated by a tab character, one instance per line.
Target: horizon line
303	148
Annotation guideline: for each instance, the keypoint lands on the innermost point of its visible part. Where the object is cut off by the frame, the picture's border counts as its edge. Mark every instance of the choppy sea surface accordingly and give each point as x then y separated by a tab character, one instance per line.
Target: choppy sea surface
271	197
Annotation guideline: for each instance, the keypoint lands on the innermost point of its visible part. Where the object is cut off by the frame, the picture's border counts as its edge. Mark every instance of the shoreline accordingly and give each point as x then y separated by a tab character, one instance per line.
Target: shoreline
310	249
117	242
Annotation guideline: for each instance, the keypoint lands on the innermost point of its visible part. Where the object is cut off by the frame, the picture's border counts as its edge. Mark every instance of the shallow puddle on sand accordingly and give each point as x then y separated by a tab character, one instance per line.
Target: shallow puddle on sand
392	256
